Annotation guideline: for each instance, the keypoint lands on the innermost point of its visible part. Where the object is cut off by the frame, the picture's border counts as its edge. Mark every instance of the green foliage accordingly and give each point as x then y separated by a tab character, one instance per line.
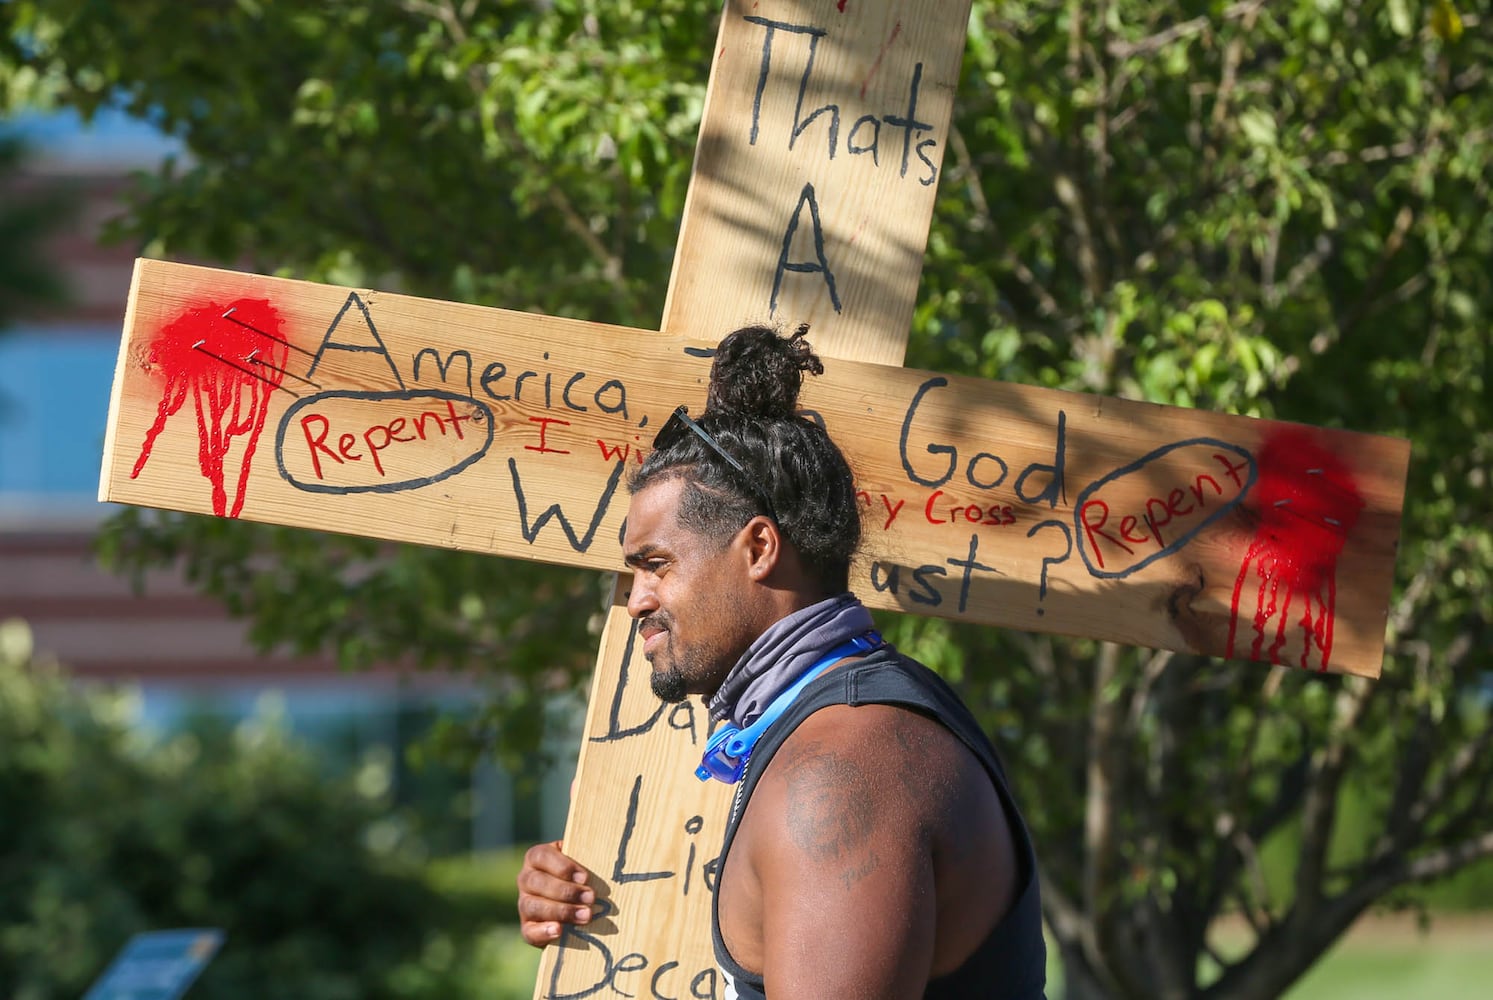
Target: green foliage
103	835
328	141
1279	209
369	603
29	212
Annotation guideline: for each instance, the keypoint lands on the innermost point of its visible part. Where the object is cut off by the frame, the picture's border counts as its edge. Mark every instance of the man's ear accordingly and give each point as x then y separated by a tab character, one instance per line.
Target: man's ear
763	547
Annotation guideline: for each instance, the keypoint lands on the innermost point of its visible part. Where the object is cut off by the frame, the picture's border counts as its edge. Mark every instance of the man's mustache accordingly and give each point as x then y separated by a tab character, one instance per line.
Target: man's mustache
661	620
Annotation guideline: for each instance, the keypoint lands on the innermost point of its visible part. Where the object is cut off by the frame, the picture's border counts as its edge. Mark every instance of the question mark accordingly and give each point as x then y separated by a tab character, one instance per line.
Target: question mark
1051	560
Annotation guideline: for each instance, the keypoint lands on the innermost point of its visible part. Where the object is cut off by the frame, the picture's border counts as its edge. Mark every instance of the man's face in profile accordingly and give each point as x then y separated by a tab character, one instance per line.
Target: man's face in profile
687	595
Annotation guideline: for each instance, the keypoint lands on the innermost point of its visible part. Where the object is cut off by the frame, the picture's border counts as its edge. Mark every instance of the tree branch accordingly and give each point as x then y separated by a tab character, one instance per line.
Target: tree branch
1184	29
1099	137
1439	792
1391	871
1063	914
455	24
1319	811
1415	762
1260	914
1229	826
1288	950
1449	859
1309	264
1395	239
1047	306
1229	77
1105	783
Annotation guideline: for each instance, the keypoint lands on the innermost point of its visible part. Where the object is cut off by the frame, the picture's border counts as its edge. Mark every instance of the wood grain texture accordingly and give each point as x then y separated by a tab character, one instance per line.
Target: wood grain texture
649	831
751	182
494	431
818	160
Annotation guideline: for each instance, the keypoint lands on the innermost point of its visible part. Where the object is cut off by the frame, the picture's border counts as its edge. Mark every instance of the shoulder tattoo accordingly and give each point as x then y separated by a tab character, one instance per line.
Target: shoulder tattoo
827	807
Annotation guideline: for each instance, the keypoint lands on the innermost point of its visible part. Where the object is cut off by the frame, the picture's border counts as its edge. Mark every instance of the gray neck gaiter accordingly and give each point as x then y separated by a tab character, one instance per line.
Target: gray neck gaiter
781	655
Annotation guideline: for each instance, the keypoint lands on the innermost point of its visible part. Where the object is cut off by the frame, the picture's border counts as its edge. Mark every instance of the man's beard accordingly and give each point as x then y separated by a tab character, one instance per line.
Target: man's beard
669	685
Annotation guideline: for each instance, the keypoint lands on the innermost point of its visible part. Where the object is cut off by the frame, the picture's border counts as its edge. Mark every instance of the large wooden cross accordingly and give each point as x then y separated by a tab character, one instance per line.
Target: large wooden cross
482	429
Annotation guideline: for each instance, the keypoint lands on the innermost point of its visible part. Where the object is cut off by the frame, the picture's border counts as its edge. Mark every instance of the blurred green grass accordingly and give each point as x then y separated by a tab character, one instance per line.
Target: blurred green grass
1384	959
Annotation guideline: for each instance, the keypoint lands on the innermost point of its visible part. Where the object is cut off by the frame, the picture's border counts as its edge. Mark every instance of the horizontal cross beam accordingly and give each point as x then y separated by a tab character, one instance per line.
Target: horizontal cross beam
482	429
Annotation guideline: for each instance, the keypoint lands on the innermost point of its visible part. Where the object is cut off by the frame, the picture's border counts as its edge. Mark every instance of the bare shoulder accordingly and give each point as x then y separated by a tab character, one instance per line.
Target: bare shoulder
847	773
862	809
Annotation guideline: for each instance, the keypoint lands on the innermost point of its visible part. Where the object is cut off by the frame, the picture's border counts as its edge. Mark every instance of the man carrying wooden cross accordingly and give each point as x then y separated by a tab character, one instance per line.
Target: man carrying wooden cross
873	847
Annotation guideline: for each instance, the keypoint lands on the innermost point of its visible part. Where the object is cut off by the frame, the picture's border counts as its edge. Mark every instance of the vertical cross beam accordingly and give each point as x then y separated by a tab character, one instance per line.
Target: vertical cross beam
818	159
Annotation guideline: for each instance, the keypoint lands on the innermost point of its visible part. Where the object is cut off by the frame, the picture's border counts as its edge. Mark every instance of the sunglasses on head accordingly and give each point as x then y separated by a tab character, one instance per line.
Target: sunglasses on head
679	424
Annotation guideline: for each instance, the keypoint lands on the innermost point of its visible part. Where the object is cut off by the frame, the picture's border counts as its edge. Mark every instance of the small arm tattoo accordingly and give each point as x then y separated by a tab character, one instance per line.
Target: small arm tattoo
851	876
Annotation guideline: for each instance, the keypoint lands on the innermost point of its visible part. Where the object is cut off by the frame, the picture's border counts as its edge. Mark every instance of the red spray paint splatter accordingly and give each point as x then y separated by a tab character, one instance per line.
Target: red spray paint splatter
1306	503
230	359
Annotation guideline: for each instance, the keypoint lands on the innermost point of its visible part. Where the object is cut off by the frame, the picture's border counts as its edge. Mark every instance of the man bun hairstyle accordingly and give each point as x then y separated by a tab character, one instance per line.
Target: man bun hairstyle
751	410
759	373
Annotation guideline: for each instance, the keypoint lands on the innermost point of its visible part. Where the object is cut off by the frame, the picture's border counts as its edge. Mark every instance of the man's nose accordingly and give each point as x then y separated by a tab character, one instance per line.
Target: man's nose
640	599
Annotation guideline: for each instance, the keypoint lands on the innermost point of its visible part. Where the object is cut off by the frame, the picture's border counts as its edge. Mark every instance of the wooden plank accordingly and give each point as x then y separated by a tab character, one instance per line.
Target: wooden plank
649	832
502	432
754	178
816	168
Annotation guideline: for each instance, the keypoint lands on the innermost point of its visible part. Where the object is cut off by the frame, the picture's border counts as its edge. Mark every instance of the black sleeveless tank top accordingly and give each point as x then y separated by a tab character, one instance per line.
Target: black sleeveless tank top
1011	963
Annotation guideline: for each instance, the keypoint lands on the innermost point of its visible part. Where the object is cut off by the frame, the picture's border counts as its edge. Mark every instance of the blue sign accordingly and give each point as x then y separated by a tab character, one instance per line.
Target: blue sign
158	965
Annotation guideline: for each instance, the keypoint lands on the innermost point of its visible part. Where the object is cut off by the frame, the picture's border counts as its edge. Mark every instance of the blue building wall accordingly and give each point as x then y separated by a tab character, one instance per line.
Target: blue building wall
54	397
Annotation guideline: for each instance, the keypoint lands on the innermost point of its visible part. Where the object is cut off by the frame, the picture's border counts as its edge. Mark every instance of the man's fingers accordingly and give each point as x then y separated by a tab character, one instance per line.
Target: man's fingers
540	935
548	858
541	920
533	910
538	884
552	892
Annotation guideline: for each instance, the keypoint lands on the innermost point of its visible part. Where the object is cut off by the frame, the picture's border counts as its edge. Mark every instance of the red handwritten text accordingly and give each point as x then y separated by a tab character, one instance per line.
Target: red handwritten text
888	507
1160	518
375	438
972	513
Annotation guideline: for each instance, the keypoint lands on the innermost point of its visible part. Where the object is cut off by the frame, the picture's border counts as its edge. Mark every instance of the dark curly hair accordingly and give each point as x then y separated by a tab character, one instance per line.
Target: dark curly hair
790	461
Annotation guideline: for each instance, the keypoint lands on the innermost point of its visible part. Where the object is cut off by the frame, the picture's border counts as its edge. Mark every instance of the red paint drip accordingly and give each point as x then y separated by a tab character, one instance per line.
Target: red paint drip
1306	503
230	359
840	6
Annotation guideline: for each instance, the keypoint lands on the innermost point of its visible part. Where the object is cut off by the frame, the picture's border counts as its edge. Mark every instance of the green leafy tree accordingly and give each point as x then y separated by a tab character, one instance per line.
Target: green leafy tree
104	835
1280	209
1275	209
30	211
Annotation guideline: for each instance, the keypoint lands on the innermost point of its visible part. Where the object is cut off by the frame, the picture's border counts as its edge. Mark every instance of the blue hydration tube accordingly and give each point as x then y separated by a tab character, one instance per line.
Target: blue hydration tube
727	752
